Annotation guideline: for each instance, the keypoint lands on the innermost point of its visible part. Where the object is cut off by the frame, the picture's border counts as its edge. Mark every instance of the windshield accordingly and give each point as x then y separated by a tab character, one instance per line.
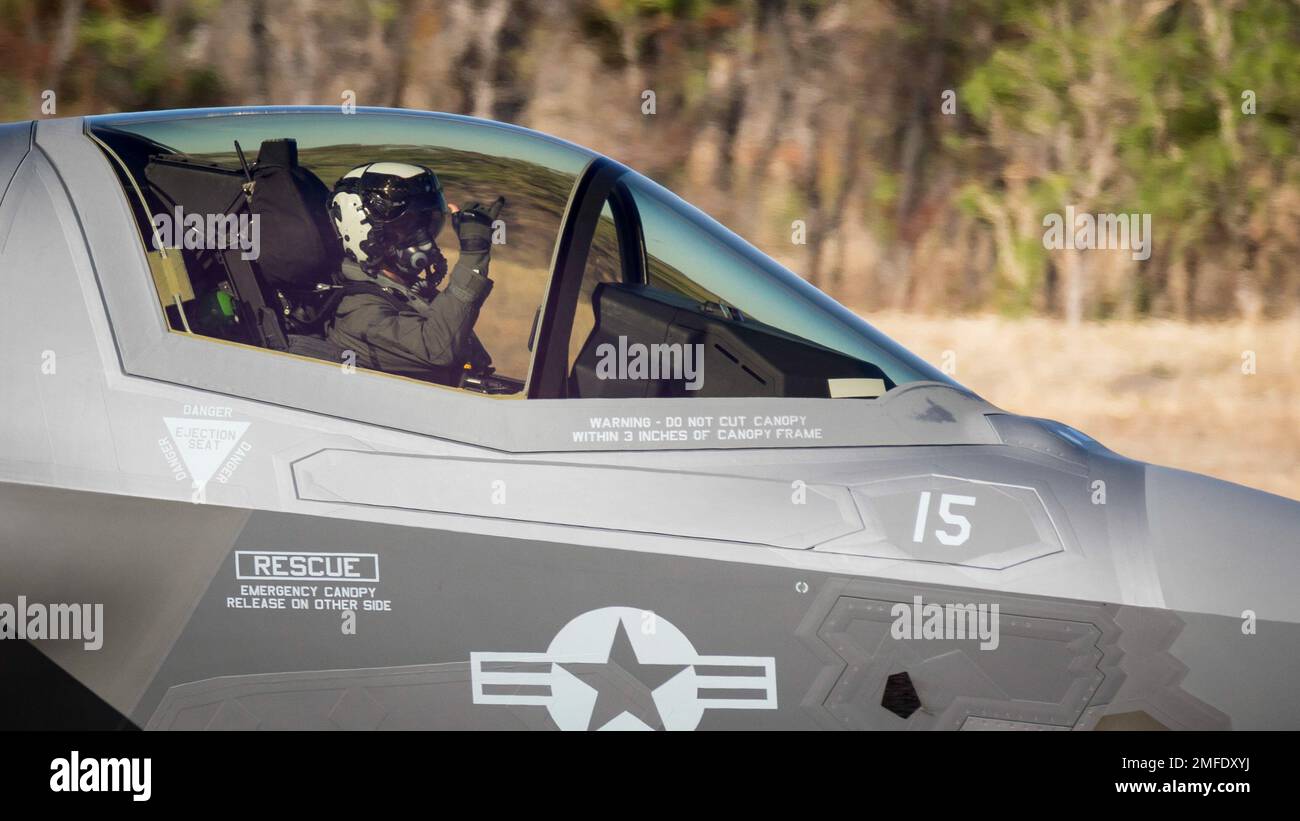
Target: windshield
690	253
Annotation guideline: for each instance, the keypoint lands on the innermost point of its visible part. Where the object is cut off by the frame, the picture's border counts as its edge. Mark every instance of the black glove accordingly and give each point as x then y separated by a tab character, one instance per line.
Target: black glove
473	225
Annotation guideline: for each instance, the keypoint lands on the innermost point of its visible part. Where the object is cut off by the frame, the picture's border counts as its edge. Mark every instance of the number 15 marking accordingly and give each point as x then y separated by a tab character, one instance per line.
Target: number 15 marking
946	501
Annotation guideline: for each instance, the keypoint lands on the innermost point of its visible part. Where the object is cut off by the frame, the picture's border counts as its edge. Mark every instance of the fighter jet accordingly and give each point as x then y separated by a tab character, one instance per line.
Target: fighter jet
683	489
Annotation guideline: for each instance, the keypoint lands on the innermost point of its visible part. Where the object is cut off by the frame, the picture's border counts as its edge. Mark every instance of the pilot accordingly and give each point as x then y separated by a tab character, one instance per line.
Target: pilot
392	315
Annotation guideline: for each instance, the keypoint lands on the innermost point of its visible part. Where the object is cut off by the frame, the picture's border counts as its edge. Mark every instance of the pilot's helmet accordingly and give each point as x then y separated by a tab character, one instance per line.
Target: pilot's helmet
387	215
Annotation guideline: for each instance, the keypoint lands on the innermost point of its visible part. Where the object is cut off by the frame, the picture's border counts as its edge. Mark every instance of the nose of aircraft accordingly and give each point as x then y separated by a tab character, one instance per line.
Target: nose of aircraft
1223	548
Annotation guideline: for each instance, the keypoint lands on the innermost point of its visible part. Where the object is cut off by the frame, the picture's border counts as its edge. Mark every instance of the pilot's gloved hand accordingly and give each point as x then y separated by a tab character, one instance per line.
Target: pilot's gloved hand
473	225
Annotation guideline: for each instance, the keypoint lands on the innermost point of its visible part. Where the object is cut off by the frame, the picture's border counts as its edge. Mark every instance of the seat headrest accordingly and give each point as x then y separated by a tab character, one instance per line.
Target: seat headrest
282	153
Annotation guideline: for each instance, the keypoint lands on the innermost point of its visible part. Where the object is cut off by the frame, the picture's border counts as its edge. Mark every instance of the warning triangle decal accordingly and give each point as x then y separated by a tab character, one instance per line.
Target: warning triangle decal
204	444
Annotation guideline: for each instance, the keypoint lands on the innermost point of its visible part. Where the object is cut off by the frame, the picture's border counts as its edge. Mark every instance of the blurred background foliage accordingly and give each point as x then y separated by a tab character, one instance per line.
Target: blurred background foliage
825	111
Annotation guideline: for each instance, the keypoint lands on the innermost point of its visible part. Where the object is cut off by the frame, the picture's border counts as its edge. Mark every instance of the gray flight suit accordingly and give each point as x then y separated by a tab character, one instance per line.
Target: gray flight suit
391	329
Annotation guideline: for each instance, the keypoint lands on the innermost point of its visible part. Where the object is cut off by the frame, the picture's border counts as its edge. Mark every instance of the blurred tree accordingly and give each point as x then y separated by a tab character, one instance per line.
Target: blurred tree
1131	106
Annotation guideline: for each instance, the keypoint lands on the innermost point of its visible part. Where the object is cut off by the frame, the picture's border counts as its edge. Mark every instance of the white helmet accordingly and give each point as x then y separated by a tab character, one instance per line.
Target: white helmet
388	215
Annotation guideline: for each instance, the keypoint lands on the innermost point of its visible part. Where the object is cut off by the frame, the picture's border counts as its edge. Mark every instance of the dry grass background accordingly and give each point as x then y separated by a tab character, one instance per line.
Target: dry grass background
1164	392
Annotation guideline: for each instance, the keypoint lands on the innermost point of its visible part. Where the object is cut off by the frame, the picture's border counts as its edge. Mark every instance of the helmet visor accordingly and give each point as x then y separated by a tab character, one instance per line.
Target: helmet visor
388	204
389	196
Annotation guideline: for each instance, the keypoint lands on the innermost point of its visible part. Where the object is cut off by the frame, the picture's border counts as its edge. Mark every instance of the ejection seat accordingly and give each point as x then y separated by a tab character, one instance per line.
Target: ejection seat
286	293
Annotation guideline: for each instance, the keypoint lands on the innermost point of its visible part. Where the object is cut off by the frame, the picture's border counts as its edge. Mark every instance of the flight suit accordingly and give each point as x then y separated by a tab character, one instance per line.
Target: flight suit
392	329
